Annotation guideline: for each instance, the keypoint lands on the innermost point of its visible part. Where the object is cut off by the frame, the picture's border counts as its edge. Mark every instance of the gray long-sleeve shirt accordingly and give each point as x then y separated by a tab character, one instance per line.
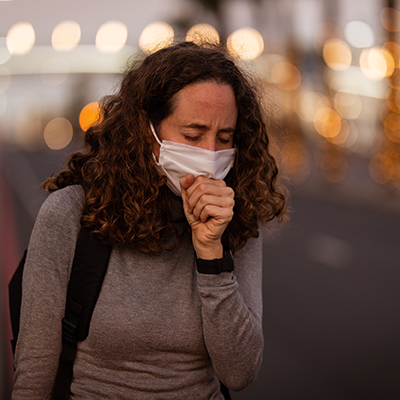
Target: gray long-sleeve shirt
160	330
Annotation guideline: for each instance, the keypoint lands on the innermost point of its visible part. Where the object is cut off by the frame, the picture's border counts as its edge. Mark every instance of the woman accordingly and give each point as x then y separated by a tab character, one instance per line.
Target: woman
177	176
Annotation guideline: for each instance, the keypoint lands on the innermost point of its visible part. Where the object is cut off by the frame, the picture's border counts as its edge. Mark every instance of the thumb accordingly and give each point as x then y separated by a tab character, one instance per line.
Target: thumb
186	182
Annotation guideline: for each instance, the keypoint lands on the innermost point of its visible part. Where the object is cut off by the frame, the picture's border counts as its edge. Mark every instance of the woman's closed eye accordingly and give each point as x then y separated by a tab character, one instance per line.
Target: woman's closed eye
191	138
224	141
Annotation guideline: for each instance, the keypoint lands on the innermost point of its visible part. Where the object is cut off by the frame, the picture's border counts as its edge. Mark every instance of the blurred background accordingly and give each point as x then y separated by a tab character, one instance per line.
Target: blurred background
332	68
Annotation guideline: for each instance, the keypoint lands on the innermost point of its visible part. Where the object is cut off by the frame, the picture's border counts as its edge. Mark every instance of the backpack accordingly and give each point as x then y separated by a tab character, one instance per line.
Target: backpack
87	274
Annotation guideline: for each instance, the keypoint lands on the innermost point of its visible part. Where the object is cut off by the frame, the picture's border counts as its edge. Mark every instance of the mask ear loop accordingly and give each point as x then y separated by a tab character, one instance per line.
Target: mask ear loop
154	133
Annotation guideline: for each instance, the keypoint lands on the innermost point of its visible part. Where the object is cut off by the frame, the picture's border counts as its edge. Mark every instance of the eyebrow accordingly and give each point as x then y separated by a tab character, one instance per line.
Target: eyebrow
202	127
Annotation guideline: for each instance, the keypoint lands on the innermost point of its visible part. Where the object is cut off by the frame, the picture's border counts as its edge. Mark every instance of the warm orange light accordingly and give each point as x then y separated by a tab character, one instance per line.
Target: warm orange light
337	54
394	80
307	103
394	49
286	76
392	121
295	159
376	63
392	127
327	122
390	19
342	136
381	168
334	166
90	115
393	100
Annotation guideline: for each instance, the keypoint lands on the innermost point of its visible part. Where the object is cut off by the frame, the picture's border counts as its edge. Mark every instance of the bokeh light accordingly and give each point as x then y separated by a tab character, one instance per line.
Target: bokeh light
352	137
66	36
28	127
89	115
20	38
376	63
393	100
156	36
245	44
337	54
381	168
392	127
359	34
348	105
295	160
327	122
111	37
390	19
347	136
58	133
394	49
334	166
202	33
342	136
307	103
286	76
265	63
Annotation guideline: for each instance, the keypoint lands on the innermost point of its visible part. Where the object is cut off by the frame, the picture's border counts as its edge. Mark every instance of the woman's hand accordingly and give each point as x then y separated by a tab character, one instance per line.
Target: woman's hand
208	205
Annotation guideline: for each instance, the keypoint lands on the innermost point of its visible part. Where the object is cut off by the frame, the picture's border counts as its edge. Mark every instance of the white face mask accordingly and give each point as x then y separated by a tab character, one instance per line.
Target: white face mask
177	160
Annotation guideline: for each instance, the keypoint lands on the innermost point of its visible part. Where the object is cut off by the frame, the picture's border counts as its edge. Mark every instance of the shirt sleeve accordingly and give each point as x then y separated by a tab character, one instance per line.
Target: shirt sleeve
232	317
44	287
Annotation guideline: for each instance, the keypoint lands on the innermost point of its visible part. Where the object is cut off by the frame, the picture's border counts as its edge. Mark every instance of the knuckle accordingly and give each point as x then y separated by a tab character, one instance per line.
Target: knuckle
221	182
202	187
200	178
207	208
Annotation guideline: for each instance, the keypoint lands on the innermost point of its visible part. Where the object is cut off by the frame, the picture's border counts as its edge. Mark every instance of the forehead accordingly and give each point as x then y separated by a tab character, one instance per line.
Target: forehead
205	95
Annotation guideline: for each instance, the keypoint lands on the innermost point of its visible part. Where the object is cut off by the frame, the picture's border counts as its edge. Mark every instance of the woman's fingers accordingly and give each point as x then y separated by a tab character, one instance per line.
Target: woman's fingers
221	215
204	191
208	205
212	206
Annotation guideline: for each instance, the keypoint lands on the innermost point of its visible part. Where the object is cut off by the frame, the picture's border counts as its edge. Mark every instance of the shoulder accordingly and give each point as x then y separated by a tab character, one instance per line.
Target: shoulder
62	209
63	202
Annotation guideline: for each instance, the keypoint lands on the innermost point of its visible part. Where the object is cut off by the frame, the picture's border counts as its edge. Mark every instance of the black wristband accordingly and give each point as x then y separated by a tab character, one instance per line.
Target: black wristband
217	265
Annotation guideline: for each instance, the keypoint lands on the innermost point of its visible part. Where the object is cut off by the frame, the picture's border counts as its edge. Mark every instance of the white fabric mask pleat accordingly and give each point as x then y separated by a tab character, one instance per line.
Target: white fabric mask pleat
177	160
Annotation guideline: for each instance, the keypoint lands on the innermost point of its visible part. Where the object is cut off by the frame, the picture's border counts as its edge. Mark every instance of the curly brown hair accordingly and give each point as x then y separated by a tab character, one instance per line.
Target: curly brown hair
126	197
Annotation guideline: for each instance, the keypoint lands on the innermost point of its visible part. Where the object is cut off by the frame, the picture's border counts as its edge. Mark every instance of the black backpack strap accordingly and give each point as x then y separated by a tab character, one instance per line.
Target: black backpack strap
225	391
88	270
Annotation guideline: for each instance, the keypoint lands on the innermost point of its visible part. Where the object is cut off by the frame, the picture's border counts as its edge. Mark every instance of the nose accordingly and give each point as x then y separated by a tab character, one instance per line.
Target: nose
209	144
